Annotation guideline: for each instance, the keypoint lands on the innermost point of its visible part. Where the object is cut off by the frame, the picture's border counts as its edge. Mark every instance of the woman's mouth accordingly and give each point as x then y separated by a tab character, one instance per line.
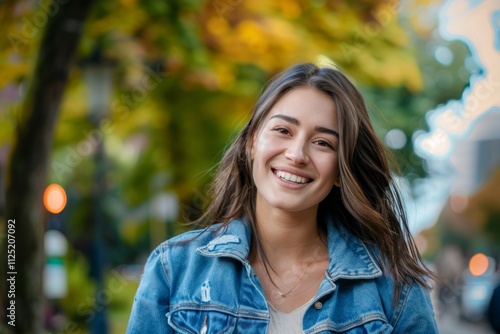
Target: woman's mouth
291	177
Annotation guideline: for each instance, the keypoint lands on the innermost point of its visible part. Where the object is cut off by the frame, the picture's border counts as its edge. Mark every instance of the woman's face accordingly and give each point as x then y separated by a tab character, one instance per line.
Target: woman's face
295	152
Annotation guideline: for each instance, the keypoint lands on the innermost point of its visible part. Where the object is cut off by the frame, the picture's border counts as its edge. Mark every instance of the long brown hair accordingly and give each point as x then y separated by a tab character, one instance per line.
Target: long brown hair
367	203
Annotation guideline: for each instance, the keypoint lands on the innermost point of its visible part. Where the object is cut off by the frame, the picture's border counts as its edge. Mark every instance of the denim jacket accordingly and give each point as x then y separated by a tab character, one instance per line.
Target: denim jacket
208	286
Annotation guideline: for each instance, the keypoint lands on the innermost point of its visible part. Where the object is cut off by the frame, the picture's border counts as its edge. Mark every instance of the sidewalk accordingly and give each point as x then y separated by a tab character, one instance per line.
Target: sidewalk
450	323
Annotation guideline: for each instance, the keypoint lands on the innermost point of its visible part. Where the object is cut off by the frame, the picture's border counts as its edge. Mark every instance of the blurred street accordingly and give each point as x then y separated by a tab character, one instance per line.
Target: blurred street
450	323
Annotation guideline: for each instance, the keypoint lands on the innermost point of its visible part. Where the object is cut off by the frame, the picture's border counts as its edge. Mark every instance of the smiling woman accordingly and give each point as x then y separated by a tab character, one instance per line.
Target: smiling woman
306	232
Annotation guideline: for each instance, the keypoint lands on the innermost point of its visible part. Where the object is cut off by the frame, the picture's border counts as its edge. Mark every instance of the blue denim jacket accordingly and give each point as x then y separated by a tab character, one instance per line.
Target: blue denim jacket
208	286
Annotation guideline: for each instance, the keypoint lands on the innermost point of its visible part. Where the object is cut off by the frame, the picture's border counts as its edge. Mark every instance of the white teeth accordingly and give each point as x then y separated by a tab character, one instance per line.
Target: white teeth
290	177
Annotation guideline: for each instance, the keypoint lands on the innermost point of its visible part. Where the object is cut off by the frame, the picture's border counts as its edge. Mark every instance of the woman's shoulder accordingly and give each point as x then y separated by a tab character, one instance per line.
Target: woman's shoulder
194	238
173	254
213	238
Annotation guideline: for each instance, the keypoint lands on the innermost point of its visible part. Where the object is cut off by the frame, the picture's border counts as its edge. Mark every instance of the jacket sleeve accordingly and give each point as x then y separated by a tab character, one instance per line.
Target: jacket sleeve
414	313
151	302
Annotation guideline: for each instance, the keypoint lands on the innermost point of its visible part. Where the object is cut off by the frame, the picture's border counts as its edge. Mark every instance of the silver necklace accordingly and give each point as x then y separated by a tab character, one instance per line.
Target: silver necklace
285	294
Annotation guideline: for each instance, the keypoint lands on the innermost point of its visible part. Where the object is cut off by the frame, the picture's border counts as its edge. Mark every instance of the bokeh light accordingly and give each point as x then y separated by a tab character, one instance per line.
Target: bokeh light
443	55
395	139
54	198
459	202
478	264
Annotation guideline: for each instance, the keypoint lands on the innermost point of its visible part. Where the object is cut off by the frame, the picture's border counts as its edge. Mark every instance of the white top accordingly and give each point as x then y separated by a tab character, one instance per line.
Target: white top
290	323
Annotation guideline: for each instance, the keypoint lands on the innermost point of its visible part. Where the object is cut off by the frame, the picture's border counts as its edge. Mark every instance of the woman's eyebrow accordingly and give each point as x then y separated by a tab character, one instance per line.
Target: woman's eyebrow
287	118
295	121
326	130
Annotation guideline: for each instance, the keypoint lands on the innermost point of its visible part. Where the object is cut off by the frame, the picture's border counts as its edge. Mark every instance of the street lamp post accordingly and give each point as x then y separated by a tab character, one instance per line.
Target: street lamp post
164	210
98	79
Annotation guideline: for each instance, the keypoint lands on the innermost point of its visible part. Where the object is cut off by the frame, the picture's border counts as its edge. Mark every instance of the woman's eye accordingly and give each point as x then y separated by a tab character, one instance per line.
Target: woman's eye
324	143
283	131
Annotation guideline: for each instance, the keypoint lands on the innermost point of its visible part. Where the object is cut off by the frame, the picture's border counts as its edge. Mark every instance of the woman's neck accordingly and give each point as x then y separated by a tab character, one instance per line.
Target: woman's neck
288	238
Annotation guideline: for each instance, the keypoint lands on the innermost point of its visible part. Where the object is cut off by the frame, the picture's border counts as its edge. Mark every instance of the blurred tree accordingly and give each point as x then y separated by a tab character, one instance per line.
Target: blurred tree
29	158
476	227
483	209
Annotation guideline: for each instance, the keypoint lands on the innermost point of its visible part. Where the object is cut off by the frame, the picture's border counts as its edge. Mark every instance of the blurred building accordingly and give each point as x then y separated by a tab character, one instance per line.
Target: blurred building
475	158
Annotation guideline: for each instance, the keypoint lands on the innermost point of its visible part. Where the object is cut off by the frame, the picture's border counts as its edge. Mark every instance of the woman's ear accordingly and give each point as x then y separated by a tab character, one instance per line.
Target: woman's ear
337	181
251	145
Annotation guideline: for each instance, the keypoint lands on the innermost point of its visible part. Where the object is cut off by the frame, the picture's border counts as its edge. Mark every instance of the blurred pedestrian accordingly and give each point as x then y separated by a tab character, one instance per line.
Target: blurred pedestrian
450	265
306	230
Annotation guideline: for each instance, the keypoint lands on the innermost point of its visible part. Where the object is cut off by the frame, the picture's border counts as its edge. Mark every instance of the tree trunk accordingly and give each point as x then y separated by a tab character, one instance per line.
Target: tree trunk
26	174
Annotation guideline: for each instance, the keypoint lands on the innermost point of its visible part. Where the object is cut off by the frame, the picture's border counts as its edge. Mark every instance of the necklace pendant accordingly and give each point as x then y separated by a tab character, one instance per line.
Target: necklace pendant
283	295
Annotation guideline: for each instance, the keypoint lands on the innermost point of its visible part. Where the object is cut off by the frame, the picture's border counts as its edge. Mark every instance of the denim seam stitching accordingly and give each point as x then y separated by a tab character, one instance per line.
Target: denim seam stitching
329	325
238	313
399	311
164	254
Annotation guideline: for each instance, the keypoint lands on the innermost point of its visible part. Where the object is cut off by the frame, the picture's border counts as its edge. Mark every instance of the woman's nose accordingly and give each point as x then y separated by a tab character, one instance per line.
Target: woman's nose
297	152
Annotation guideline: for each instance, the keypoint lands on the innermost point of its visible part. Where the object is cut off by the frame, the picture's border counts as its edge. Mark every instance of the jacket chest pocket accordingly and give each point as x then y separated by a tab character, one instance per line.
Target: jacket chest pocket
201	322
371	327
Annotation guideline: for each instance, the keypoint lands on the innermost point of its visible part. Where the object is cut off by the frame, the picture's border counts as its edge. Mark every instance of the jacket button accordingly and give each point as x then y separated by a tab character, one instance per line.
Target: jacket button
318	305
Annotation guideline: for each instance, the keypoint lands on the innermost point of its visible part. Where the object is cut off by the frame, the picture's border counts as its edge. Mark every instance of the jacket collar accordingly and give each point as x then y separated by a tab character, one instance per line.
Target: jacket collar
230	241
349	257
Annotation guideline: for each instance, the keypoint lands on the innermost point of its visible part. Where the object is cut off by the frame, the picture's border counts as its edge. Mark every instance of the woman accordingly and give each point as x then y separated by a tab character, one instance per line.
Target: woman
306	231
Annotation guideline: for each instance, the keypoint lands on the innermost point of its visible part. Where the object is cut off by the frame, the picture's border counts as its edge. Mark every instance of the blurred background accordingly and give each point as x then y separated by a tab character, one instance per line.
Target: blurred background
113	115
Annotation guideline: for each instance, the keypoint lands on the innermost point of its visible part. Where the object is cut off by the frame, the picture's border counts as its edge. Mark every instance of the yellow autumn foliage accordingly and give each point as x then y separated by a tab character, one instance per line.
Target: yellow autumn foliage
269	34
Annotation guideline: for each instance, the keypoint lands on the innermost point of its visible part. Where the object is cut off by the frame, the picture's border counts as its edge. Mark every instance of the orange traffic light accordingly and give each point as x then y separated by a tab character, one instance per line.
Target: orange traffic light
54	198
